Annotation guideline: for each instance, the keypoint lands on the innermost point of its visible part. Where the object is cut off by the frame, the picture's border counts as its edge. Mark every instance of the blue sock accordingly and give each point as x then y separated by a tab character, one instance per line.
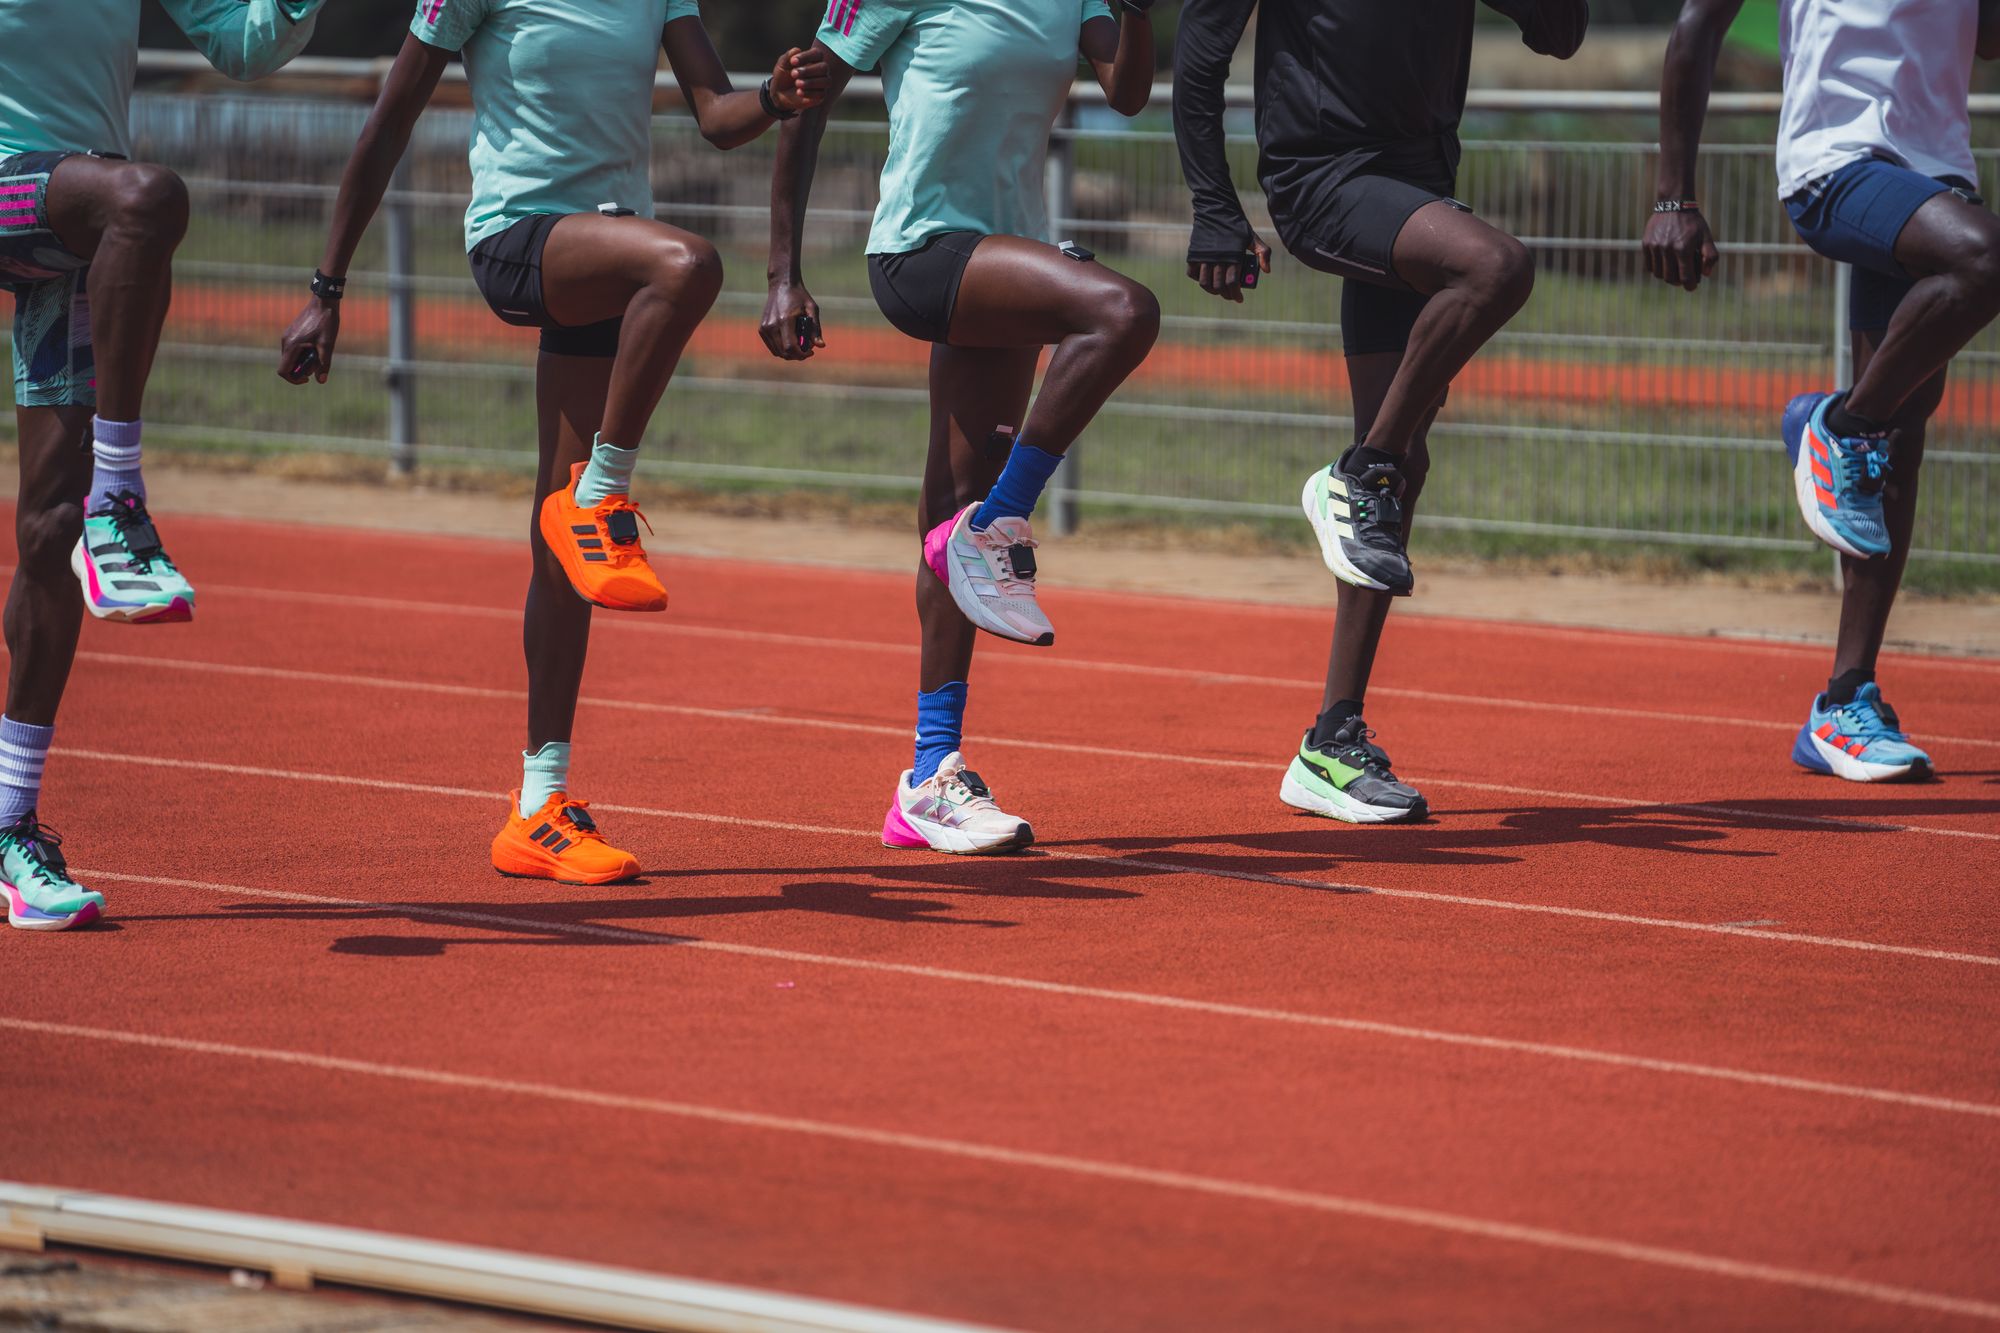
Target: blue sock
544	772
1013	496
608	473
23	750
940	728
115	459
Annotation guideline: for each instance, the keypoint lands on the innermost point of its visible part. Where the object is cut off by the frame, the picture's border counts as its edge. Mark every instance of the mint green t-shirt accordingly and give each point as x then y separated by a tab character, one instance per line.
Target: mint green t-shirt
562	101
973	88
67	66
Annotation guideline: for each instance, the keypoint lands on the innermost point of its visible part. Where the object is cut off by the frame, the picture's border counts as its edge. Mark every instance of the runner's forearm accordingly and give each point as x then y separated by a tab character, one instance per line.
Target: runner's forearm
791	187
412	80
1685	81
1128	83
1209	33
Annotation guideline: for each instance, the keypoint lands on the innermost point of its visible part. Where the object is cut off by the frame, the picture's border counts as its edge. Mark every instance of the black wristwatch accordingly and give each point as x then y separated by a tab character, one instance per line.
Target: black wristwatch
770	103
328	289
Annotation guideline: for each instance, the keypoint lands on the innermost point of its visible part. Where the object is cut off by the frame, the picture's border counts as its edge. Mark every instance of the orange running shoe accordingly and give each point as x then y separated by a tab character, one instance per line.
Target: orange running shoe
599	549
560	841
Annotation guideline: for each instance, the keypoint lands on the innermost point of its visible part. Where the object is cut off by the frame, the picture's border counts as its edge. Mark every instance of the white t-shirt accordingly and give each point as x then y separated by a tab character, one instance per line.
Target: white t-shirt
1875	78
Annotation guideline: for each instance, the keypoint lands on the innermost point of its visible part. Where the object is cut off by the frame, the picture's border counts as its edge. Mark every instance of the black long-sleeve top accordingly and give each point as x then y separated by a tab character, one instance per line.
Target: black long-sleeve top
1338	84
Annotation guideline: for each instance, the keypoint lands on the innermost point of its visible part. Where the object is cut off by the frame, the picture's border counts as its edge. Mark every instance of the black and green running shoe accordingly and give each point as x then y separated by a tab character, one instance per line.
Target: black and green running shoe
1349	778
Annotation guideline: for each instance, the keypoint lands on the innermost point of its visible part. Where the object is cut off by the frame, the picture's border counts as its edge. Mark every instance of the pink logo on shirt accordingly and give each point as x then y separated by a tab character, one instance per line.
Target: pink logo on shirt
840	16
436	12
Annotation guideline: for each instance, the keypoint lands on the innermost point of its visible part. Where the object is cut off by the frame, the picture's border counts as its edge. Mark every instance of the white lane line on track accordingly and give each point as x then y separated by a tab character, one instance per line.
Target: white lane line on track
1062	663
1043	854
1427	1219
1255	1013
1058	747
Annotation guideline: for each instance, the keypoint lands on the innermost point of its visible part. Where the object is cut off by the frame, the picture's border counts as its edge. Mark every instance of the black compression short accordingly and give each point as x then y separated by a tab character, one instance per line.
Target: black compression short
917	290
507	268
1348	225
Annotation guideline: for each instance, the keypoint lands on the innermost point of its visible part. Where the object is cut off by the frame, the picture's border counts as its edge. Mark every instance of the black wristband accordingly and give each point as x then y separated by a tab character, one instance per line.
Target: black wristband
328	289
770	103
1676	206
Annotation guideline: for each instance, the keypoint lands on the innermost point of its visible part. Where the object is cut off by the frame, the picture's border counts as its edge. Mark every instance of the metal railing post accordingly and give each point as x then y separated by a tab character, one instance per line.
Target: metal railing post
401	377
1065	510
1843	368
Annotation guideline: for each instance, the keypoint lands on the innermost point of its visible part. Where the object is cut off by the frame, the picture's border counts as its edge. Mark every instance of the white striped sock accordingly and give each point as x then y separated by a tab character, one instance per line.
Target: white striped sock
24	750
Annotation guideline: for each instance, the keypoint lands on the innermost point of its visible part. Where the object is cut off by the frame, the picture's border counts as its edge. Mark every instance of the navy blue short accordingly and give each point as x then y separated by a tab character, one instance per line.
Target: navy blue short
1854	215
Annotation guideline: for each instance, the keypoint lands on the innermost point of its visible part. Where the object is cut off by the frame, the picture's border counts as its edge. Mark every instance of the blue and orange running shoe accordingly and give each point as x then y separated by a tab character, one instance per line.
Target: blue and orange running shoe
35	878
1837	479
1861	741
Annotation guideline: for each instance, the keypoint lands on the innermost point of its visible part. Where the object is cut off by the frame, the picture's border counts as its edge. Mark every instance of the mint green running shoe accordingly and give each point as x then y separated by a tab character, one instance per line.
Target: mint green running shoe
35	878
126	574
1350	778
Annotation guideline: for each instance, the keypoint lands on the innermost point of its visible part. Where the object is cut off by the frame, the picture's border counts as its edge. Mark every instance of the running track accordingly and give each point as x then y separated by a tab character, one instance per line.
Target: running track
1645	1029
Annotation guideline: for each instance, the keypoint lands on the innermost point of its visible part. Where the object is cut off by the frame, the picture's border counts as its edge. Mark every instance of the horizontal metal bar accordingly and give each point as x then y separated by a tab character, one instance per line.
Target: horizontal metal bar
1084	92
299	1254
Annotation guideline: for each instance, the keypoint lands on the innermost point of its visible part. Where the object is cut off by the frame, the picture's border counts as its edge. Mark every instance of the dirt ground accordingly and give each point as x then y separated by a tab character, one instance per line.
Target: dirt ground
1717	607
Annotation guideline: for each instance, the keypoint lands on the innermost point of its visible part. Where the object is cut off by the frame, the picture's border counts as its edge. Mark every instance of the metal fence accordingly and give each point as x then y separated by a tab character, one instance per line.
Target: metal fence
1612	409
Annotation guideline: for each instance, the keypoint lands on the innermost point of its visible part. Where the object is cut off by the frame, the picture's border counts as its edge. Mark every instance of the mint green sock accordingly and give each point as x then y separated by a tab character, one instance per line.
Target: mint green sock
608	473
543	773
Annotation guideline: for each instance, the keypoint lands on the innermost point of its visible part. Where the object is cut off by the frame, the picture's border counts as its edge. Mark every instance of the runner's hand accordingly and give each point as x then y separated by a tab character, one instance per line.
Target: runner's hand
1679	248
779	326
1226	279
798	80
306	350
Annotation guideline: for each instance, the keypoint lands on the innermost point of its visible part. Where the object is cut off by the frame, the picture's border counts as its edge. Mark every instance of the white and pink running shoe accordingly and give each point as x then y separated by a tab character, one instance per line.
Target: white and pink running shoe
952	811
991	575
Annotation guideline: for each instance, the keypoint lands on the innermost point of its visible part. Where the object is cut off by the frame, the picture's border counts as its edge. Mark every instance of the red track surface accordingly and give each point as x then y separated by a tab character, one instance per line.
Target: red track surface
1162	1074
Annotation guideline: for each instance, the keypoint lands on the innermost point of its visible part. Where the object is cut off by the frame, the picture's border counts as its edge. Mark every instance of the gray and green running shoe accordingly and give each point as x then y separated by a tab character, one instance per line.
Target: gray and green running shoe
1349	778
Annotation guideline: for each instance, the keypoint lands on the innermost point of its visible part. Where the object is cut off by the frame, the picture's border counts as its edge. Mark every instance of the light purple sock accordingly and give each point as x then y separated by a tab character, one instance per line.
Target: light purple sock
115	455
24	748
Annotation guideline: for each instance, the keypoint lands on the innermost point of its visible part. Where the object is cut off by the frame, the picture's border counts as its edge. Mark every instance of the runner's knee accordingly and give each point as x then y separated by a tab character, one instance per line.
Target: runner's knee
1131	315
47	536
1505	274
149	202
691	269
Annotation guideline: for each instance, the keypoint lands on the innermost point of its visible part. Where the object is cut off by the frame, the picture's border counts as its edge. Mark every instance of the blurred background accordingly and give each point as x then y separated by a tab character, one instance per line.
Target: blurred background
1615	421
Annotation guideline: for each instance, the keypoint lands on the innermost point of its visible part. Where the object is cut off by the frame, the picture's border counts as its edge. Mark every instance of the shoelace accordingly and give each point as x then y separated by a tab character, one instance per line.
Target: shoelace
967	785
1864	721
1011	580
42	844
575	815
134	526
1374	759
622	549
1864	463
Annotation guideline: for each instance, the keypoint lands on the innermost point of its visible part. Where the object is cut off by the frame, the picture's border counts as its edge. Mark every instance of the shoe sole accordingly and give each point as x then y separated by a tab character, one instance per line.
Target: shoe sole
177	611
1345	808
563	549
524	867
560	879
1816	756
900	832
42	921
1330	549
938	551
